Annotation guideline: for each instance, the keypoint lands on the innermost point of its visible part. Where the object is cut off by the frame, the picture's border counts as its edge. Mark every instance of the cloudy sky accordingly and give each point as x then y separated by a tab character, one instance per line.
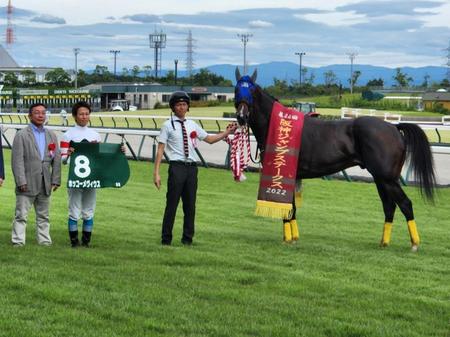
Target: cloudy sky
387	33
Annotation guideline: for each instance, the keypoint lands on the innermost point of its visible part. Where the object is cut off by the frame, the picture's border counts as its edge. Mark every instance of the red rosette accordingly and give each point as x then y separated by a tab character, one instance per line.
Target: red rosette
51	147
193	135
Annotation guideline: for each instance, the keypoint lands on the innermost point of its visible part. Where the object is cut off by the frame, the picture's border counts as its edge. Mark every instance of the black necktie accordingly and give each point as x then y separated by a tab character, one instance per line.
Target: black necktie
185	139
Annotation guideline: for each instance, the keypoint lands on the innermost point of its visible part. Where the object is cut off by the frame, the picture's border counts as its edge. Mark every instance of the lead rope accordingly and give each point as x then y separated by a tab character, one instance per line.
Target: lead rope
240	153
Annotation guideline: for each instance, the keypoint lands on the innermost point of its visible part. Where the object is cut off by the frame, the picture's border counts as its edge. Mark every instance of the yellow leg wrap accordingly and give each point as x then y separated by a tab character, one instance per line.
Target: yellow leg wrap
294	229
287	232
387	229
413	233
298	199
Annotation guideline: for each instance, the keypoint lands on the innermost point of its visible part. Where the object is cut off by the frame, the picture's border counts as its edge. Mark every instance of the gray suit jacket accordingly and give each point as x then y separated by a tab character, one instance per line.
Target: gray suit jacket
27	166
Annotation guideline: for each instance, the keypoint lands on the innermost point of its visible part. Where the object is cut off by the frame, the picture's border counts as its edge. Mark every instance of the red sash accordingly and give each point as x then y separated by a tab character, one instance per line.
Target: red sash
277	183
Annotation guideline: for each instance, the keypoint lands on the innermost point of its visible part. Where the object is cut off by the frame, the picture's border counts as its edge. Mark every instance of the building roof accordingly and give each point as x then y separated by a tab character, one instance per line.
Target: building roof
436	96
6	60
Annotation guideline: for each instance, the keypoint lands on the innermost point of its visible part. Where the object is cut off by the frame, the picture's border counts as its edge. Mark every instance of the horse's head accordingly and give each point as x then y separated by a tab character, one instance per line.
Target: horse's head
244	96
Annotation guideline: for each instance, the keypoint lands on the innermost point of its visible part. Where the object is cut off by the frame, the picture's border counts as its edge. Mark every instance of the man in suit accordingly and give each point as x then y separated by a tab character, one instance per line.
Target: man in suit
36	166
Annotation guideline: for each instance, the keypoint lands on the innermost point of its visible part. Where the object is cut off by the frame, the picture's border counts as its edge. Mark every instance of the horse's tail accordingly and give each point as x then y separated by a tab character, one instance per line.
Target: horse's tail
421	158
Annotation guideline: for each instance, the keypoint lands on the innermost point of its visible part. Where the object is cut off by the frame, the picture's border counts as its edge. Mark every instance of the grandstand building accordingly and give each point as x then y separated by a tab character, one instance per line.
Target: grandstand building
148	95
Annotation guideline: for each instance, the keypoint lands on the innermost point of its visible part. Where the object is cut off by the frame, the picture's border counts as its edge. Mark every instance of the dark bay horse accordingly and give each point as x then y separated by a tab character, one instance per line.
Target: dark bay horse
328	147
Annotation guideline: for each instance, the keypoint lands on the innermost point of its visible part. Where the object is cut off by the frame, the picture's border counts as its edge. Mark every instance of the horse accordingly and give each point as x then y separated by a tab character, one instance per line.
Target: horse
328	147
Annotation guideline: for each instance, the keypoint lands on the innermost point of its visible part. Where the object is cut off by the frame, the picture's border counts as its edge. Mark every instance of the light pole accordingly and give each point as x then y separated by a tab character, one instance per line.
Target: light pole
115	52
300	54
76	51
352	58
176	70
244	39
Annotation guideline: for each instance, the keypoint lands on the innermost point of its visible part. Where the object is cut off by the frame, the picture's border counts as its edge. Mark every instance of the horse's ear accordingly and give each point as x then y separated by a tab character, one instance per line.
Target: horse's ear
255	73
238	74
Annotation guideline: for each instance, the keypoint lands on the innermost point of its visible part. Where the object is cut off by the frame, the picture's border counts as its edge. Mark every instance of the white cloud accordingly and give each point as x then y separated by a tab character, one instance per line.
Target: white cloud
334	18
260	24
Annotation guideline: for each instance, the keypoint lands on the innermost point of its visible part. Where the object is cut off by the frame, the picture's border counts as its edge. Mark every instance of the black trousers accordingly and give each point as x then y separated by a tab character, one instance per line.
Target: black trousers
182	182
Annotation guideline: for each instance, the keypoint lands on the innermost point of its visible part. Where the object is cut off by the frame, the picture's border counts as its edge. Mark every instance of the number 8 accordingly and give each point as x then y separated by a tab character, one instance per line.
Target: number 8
82	168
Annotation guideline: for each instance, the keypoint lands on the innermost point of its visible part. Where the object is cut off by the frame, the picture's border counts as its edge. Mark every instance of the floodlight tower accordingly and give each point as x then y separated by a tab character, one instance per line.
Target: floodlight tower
448	62
115	52
9	26
190	54
244	38
352	56
300	54
157	42
76	51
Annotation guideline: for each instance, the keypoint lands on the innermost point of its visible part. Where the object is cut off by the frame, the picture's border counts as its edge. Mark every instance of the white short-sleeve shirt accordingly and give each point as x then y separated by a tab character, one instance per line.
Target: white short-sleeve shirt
79	133
172	137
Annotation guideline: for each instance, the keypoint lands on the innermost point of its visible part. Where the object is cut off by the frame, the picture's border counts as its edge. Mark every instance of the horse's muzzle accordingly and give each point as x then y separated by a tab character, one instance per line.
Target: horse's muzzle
242	113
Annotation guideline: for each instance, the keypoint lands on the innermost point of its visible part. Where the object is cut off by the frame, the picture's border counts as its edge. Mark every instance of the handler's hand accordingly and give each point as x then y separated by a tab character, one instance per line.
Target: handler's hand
70	150
232	127
54	187
123	148
157	180
23	188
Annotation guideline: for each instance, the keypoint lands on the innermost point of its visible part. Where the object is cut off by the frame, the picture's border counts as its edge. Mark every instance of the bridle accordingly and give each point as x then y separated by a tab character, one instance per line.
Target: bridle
244	97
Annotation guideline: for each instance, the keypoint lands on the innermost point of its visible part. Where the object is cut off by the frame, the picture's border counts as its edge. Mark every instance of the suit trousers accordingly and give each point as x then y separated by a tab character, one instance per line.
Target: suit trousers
182	183
41	203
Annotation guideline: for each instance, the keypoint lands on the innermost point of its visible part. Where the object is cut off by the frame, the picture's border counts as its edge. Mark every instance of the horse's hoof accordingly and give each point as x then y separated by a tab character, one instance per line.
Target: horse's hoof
414	248
383	244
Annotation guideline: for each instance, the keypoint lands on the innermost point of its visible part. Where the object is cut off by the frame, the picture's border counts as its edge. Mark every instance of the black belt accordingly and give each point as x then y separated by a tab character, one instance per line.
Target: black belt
185	163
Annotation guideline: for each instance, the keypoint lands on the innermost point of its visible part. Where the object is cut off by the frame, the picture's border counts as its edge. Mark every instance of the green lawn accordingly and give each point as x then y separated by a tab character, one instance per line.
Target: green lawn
238	279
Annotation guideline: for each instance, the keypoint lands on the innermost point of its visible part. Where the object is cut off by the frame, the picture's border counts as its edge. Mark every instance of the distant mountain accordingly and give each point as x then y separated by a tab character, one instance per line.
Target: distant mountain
289	71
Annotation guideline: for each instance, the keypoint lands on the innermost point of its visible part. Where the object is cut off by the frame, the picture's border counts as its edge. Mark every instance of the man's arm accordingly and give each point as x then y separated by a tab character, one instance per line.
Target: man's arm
159	155
211	139
18	163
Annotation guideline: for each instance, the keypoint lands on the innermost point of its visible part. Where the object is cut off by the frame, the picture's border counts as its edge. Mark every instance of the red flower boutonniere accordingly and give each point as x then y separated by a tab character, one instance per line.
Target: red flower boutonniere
193	136
51	149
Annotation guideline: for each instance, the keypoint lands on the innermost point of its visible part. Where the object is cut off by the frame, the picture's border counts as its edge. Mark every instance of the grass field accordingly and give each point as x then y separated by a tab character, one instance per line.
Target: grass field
238	279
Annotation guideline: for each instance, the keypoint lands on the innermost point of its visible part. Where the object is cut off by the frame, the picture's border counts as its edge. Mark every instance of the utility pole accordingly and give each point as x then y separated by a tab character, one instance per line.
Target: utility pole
176	70
76	51
300	54
352	56
115	52
244	39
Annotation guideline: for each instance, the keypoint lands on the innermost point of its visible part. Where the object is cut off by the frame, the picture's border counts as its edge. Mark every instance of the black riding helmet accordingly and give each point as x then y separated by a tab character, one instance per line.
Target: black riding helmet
179	96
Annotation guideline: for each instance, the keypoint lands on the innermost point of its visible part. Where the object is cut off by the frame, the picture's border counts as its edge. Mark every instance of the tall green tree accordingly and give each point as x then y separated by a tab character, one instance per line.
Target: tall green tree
330	78
28	77
402	78
58	77
11	79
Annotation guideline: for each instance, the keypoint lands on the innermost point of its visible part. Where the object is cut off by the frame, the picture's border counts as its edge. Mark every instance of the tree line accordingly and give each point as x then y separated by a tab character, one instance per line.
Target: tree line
58	77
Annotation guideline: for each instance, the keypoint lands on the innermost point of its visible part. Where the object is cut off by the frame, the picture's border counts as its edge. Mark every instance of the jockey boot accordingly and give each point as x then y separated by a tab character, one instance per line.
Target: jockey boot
85	239
73	235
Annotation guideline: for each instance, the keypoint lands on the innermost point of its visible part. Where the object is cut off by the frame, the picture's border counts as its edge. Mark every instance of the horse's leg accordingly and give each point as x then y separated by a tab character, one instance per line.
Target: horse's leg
389	211
296	204
405	205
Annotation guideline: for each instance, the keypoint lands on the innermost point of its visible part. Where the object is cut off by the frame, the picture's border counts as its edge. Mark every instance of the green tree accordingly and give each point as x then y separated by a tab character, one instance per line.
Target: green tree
375	82
426	81
11	79
356	75
58	77
329	78
135	71
147	70
401	78
28	77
